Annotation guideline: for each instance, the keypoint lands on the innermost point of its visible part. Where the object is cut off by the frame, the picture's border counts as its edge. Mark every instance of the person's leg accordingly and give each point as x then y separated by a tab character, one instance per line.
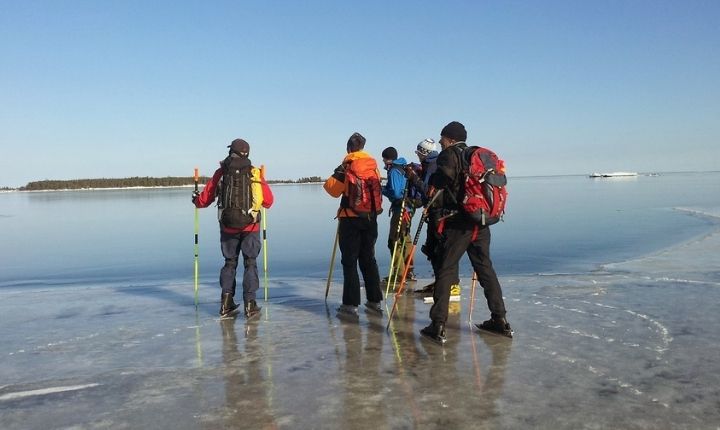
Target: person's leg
368	263
395	242
250	246
453	245
479	253
230	247
349	242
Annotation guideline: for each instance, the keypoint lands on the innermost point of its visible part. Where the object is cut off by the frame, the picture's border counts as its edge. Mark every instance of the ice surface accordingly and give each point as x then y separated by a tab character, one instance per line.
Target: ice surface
633	345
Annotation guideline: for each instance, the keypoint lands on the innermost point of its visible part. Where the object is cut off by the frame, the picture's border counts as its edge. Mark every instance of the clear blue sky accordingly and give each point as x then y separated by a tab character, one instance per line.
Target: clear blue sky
154	88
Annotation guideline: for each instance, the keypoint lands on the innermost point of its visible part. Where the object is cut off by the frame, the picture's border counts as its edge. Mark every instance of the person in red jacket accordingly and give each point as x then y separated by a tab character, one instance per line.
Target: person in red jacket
241	192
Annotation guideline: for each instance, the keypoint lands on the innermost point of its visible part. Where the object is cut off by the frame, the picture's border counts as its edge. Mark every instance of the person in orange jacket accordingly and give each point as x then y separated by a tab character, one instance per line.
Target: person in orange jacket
357	181
241	191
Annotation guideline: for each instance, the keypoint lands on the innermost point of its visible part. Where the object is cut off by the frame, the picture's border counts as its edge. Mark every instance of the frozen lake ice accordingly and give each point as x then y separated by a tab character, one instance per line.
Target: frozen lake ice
623	347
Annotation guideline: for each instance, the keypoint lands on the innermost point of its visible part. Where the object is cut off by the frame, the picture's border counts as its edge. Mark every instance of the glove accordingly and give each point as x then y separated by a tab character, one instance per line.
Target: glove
195	196
416	203
339	173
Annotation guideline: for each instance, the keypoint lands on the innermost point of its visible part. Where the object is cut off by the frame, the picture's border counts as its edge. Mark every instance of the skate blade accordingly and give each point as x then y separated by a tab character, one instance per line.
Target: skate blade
431	300
432	339
496	333
253	316
231	316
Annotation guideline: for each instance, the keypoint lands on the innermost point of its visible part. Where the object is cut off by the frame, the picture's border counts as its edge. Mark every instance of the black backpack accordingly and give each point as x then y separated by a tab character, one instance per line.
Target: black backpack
235	193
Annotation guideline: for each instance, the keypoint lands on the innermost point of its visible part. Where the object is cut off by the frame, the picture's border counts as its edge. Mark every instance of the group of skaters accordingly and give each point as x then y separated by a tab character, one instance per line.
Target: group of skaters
434	185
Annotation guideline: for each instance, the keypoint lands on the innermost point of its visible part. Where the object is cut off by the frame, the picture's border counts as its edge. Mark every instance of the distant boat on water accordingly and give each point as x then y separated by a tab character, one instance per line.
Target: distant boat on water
612	174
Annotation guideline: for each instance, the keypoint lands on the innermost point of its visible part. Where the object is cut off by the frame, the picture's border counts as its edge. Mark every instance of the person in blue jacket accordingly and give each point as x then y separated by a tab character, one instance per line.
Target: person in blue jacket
394	189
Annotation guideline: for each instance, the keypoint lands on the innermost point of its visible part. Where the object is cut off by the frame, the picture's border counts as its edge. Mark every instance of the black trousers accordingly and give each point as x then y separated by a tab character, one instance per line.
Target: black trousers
357	245
455	241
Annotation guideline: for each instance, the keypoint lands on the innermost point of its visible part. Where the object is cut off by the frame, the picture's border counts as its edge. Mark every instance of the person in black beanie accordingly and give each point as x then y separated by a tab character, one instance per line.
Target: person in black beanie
458	234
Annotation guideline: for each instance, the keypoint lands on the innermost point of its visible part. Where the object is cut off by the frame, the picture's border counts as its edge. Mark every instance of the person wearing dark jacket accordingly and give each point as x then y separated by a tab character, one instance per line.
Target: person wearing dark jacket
243	236
458	234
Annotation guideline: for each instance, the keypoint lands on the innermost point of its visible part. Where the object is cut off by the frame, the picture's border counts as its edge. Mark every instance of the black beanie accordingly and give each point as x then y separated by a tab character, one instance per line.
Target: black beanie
356	142
454	131
390	153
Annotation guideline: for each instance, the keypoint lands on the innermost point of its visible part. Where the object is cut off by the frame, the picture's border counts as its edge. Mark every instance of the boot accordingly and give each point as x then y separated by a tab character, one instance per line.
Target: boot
435	332
427	290
498	326
227	305
251	309
374	307
348	311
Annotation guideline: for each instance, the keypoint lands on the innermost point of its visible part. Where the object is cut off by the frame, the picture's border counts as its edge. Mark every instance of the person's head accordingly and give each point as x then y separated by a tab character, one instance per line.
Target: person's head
389	155
239	147
356	142
452	133
424	148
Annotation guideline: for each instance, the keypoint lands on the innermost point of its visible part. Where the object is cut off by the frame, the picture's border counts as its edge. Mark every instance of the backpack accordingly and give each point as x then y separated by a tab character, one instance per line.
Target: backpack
483	185
235	194
363	194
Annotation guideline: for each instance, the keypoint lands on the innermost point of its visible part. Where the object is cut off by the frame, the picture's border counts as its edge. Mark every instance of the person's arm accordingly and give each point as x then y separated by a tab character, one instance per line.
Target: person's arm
398	181
207	195
335	184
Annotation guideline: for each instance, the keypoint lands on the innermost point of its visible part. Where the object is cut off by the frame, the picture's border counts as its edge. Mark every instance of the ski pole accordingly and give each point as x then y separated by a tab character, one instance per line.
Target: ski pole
264	230
197	231
399	292
472	296
392	278
332	261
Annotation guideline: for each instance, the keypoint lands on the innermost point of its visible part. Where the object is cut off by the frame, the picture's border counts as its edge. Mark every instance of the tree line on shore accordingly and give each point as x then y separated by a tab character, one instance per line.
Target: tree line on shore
136	181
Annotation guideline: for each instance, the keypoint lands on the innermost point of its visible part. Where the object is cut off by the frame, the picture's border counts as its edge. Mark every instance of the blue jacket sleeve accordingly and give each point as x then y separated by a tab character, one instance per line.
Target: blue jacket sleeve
396	180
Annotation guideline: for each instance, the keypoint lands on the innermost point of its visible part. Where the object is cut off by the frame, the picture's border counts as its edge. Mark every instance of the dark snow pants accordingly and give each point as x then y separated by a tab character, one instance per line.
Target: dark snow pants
232	244
456	240
357	245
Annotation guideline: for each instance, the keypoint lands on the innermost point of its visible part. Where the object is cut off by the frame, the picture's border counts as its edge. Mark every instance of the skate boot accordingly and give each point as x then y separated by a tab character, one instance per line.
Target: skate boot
375	307
498	326
427	290
228	307
348	311
251	309
435	332
411	277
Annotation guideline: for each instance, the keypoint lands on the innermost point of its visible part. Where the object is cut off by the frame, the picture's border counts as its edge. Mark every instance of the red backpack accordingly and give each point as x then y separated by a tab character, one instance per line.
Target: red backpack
363	194
484	185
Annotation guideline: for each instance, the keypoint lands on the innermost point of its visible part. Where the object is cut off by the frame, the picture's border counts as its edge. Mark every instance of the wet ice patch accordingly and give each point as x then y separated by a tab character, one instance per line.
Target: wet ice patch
44	391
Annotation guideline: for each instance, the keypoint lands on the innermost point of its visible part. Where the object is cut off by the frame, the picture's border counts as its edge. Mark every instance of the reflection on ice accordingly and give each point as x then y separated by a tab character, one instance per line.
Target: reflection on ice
634	345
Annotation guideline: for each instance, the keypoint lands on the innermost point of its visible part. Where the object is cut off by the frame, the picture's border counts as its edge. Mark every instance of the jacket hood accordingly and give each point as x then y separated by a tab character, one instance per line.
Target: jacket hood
401	162
362	162
432	155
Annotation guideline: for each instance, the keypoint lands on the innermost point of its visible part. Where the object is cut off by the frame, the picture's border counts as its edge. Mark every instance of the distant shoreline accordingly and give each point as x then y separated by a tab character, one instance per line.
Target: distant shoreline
140	187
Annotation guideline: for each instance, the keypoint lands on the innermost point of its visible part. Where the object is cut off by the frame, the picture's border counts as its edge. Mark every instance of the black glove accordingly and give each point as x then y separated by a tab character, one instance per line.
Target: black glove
195	196
339	173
